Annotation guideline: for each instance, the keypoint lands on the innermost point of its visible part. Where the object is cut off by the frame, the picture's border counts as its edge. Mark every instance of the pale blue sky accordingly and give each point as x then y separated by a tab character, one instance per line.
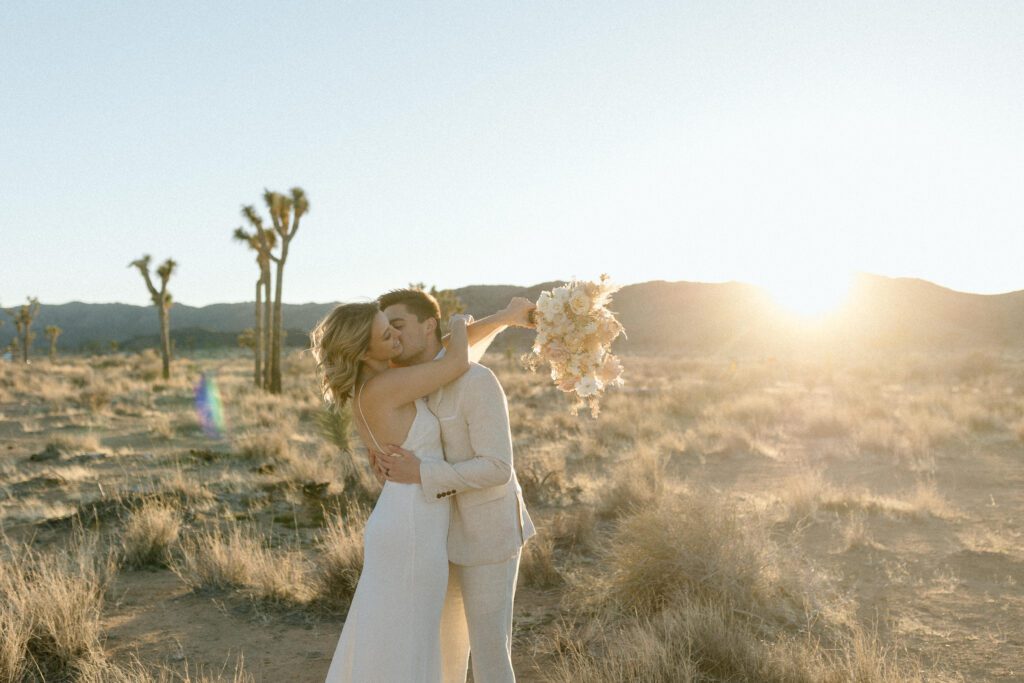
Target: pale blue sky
783	144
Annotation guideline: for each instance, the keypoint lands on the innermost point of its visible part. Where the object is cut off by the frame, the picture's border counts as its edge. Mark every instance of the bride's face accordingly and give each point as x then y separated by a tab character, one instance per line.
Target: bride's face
385	343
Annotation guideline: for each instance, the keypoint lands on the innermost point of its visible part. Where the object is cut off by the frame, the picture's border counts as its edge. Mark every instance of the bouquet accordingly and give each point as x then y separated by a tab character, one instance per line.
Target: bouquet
575	331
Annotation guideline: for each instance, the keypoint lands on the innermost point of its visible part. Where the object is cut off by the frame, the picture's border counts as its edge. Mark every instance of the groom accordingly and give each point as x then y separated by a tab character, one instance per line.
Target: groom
489	522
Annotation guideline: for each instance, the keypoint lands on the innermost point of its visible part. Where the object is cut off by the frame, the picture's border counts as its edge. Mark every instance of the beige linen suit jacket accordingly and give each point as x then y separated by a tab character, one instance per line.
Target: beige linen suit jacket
489	521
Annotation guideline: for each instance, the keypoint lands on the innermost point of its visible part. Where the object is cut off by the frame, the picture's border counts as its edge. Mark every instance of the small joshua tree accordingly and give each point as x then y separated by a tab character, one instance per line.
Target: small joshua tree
162	300
262	241
52	332
285	212
23	318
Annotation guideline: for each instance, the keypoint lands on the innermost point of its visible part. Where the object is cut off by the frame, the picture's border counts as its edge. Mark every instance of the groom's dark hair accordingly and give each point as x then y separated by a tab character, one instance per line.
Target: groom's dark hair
420	303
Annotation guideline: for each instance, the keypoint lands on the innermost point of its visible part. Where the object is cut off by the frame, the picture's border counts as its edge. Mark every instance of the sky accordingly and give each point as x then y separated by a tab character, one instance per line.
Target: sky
785	144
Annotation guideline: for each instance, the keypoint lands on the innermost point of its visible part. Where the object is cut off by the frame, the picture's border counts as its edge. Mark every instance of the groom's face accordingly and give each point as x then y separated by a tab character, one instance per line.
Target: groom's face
412	333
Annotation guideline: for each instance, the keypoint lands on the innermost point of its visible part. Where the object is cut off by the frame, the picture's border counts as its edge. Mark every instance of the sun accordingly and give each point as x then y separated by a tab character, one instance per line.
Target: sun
809	294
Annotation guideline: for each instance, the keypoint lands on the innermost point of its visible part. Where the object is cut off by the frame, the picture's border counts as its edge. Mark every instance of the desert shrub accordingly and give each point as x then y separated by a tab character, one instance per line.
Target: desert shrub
825	423
50	607
975	365
637	482
272	445
574	530
690	590
702	642
212	559
75	443
160	426
336	426
149	534
95	398
340	559
537	567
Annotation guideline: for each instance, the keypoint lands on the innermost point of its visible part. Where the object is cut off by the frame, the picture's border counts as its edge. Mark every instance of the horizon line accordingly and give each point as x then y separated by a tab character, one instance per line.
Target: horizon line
854	274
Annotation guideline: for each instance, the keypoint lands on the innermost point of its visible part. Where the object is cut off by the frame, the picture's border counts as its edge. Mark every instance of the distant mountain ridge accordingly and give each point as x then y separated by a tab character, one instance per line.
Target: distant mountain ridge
659	316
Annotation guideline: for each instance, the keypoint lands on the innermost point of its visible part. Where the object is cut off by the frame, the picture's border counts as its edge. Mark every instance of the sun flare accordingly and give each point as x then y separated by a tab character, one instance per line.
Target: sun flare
810	295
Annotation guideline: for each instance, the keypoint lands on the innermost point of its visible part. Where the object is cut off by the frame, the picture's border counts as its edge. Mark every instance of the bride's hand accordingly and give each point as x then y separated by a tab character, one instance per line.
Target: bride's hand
459	319
518	312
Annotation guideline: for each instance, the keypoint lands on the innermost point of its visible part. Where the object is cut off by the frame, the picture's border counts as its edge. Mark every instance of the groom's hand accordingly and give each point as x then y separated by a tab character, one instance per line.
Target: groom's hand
399	465
378	471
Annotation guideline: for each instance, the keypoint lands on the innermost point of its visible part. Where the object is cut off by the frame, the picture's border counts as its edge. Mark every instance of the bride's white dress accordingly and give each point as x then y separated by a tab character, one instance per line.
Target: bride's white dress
393	628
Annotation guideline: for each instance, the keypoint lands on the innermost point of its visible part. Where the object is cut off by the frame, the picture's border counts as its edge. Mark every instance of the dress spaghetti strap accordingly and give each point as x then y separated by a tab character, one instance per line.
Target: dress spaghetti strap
359	405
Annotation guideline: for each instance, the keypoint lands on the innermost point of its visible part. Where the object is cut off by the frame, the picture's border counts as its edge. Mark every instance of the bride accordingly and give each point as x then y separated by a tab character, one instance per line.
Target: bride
392	631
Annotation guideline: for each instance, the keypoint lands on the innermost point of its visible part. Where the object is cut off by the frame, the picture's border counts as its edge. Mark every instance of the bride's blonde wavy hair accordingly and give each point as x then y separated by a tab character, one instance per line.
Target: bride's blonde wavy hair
338	343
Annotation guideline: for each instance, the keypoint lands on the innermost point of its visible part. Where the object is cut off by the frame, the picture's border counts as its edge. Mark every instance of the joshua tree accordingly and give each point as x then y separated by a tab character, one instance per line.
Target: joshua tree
23	318
162	300
286	212
262	241
52	332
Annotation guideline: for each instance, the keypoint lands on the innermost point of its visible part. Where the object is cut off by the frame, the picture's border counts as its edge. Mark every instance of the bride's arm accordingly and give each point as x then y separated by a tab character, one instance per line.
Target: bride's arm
398	386
482	332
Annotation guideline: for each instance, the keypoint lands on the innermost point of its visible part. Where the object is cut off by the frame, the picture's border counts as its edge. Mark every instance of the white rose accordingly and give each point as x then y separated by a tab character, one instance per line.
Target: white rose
579	302
546	305
587	386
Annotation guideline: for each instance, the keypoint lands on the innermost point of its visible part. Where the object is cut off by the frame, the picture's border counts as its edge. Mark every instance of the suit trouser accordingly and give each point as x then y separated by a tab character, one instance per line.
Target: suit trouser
477	616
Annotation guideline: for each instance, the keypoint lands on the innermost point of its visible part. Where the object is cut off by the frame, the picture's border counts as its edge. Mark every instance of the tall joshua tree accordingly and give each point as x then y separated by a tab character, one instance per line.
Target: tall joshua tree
286	212
162	300
23	318
52	332
262	241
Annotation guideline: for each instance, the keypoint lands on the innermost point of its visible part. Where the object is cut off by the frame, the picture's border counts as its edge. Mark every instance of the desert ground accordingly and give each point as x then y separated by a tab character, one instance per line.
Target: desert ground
822	517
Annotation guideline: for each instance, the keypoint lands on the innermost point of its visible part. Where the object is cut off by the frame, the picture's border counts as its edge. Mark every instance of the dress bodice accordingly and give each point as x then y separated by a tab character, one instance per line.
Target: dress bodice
424	437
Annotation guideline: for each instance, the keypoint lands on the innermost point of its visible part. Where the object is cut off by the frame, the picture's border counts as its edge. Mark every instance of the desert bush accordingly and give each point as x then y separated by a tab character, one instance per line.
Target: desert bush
689	590
336	426
211	559
802	493
177	485
340	560
149	534
975	365
702	641
820	422
574	530
95	398
271	445
50	607
75	443
544	483
160	426
637	482
693	544
537	568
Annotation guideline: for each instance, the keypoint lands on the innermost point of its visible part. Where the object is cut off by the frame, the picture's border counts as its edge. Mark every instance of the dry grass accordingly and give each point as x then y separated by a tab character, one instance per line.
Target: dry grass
76	443
240	558
50	610
149	533
653	577
805	494
537	565
689	591
340	560
267	445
